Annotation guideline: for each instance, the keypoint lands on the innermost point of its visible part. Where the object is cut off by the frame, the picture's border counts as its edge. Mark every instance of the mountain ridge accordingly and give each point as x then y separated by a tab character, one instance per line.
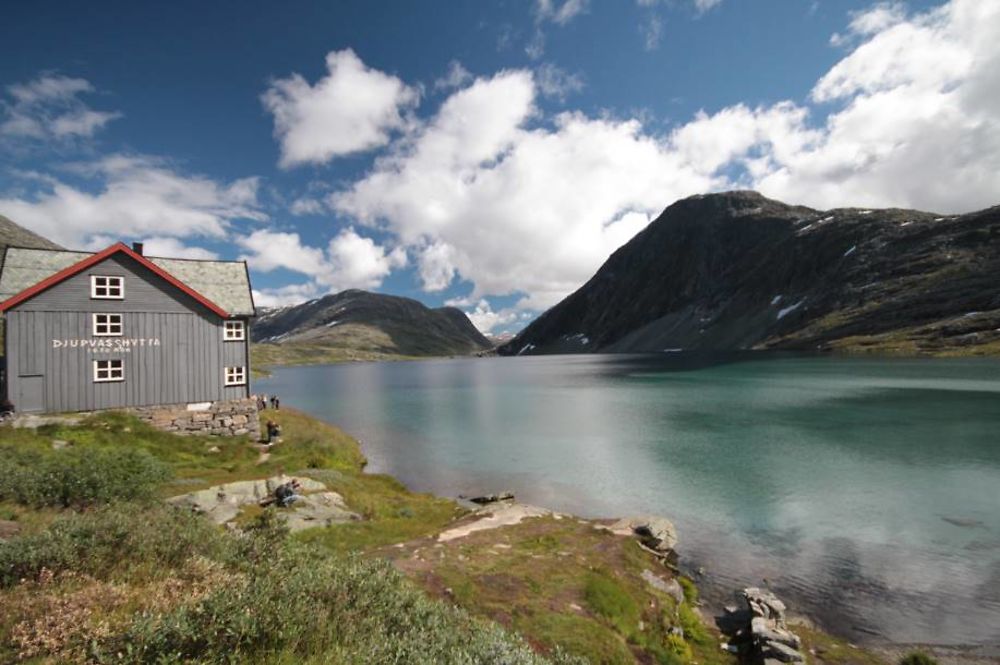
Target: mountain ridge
371	322
737	270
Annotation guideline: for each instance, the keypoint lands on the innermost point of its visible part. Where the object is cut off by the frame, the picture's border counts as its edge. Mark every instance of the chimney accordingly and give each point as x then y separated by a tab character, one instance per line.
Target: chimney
137	248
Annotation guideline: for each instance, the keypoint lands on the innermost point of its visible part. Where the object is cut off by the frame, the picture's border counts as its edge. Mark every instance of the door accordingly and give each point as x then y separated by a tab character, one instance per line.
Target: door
30	393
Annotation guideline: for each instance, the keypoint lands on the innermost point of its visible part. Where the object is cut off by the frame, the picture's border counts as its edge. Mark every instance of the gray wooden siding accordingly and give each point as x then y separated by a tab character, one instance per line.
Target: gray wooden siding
51	335
144	292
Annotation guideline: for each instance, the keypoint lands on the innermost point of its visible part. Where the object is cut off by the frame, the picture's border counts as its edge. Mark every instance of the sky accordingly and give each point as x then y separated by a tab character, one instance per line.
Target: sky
485	155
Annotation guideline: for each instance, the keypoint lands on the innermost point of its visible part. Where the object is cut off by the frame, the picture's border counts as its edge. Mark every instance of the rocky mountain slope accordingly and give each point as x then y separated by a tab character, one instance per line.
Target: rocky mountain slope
739	271
370	322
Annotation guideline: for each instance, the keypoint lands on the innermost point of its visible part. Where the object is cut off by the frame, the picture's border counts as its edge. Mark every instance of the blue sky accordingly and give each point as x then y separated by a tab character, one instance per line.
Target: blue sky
488	155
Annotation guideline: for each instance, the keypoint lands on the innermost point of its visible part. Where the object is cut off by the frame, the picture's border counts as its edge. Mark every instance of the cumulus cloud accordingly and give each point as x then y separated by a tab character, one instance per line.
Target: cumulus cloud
559	12
514	207
306	206
491	191
486	320
290	294
553	81
348	261
174	248
352	109
456	77
137	197
50	108
705	5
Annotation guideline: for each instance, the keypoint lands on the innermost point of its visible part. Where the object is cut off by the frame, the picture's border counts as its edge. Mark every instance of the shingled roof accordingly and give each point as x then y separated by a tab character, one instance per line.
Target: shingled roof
225	283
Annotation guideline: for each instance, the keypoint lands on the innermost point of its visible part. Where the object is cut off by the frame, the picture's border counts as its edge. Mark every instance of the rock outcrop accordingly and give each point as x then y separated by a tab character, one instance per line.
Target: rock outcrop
223	503
757	628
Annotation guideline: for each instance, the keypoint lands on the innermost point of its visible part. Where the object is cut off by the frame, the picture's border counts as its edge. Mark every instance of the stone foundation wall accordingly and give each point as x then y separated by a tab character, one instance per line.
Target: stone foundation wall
231	418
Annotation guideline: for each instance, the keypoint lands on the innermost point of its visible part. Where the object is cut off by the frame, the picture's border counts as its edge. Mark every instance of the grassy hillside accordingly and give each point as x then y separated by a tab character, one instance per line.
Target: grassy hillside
97	568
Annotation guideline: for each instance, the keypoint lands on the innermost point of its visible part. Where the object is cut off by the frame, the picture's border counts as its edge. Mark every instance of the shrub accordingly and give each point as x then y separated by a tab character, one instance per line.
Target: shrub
918	658
78	477
121	537
300	602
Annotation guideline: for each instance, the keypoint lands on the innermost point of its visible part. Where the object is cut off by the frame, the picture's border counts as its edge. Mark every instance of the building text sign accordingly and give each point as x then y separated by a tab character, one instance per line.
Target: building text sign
112	345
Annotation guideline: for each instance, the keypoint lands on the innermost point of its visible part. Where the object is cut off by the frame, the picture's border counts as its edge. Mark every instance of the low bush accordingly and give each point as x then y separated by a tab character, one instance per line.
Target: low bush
119	538
298	602
918	658
76	477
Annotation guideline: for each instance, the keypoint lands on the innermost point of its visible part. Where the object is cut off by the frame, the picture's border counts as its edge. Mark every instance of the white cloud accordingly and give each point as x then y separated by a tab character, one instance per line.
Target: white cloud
352	109
486	320
456	77
515	208
553	81
704	5
348	261
174	248
306	206
291	294
49	108
559	13
137	197
919	117
490	191
652	32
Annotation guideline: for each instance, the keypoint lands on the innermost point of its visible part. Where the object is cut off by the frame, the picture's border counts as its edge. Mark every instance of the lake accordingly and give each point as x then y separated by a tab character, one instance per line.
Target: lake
865	491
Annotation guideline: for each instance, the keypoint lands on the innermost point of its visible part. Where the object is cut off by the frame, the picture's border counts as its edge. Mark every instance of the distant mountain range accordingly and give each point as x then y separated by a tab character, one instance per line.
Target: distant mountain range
739	271
370	323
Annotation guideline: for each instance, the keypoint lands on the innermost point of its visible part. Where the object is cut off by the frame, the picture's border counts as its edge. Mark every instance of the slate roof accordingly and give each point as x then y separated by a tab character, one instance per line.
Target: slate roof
225	283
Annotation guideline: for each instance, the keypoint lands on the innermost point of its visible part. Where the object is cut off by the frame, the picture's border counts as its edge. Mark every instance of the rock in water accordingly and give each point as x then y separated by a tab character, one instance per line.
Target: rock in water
656	533
492	498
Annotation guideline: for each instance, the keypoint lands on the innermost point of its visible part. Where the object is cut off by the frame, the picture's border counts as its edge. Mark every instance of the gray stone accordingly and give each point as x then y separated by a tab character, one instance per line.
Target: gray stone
763	632
657	533
781	652
670	587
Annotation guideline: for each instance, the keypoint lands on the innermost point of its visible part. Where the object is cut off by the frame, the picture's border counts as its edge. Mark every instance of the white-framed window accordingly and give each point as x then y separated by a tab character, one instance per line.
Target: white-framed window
235	331
236	376
107	287
107	325
109	370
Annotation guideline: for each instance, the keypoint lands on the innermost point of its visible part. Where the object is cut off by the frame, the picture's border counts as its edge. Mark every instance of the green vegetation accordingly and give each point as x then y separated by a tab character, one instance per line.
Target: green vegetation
562	582
917	658
76	477
112	574
108	569
295	353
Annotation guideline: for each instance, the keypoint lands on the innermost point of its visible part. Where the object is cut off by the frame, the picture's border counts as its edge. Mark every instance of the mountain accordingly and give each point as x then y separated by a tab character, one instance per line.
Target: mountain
370	323
739	271
13	235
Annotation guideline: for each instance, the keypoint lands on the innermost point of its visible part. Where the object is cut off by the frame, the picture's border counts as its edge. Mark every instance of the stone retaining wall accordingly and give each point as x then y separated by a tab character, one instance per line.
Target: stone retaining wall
231	418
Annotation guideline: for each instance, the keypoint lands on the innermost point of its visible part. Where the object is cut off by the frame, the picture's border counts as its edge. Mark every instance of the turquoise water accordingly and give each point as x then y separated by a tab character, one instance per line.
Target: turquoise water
865	490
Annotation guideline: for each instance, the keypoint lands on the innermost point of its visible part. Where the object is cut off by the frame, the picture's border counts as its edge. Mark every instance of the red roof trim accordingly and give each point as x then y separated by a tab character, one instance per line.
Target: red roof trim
93	259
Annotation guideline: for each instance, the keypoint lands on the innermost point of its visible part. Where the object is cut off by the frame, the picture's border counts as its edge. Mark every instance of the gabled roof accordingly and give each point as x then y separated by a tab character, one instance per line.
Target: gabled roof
223	287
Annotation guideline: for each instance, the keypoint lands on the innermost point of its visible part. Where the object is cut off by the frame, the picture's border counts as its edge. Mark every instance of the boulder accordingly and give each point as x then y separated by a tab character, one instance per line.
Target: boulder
320	509
782	652
491	498
670	587
656	533
763	603
222	503
763	632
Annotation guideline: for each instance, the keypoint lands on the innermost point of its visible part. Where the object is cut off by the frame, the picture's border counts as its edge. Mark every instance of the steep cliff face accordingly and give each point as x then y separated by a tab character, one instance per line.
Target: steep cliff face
371	322
737	271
